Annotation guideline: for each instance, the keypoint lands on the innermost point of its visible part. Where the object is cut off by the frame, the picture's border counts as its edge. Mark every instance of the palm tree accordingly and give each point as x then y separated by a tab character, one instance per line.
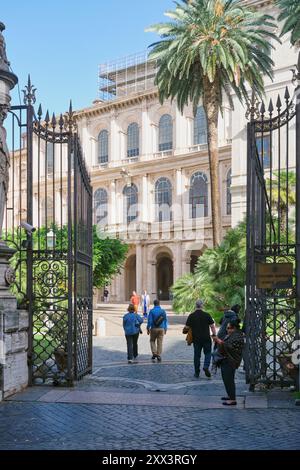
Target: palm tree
290	13
282	192
219	278
211	47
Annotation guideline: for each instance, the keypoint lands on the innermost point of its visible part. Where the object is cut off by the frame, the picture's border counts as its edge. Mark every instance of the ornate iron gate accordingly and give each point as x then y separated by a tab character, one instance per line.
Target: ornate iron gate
273	243
49	222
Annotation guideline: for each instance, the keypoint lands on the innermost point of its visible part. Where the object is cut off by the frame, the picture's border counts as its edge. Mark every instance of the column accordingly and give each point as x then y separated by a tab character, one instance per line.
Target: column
178	205
181	132
112	209
144	200
114	138
146	133
139	268
178	261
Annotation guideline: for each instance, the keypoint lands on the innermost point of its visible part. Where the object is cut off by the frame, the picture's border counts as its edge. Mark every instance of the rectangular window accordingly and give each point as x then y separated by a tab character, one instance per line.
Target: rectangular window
263	145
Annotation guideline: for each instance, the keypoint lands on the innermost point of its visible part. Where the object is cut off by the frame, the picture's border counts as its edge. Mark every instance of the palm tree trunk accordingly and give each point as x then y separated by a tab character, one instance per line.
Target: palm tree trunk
211	103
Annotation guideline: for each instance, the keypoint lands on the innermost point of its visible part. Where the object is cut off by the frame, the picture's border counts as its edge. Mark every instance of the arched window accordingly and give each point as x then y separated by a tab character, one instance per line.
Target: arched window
103	147
200	127
228	193
165	133
163	199
133	140
199	196
100	205
131	203
50	159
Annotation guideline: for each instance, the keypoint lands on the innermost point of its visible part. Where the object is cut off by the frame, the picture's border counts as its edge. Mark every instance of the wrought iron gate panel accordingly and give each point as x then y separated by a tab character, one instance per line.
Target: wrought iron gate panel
48	220
272	314
83	265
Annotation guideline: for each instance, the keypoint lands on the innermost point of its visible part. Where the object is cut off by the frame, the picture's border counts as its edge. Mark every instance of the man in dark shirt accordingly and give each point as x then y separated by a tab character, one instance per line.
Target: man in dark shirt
201	323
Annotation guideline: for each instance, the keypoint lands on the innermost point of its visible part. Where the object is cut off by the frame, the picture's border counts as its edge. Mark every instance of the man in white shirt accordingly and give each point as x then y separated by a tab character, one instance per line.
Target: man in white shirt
145	303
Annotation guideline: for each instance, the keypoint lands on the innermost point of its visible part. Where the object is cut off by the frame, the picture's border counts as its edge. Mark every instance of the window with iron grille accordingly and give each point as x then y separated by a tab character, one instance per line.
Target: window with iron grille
100	205
133	140
200	127
228	193
163	199
131	203
199	195
103	147
165	133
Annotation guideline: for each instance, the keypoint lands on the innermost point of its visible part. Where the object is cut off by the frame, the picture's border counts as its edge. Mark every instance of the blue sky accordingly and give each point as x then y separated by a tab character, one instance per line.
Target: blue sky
61	42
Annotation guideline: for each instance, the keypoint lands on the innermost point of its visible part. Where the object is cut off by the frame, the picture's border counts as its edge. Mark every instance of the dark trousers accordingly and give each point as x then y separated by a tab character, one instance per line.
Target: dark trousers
198	346
228	374
132	346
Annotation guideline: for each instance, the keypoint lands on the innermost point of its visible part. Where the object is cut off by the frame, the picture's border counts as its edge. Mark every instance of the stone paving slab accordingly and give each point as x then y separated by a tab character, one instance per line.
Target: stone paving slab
135	399
256	401
58	426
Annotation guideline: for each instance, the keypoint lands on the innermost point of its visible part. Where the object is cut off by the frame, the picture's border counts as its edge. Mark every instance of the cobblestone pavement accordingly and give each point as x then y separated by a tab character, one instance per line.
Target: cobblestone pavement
148	406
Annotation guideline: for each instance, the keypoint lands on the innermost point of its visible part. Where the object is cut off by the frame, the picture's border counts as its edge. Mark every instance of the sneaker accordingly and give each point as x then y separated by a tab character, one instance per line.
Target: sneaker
196	376
153	358
207	373
135	361
158	359
130	361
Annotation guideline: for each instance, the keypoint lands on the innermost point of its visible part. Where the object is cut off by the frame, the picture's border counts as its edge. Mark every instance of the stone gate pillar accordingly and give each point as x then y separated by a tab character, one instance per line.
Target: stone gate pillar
13	322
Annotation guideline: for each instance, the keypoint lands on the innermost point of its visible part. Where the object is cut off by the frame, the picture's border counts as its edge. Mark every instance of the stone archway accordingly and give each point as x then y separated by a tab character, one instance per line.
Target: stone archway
164	275
130	276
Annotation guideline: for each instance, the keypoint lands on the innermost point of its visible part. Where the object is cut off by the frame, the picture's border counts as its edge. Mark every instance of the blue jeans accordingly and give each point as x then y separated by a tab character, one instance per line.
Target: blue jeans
206	346
132	346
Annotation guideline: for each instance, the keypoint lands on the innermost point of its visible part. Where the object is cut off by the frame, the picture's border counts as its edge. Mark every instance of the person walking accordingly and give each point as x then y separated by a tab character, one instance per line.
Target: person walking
230	351
106	295
201	323
229	315
145	303
135	301
157	327
132	324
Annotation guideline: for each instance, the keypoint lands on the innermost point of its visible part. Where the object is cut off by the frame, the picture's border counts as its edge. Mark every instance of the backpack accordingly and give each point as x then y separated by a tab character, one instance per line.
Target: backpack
158	321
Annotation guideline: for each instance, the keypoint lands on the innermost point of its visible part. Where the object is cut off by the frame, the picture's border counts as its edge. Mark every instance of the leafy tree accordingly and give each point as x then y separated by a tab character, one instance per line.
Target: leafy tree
212	47
109	255
219	278
290	14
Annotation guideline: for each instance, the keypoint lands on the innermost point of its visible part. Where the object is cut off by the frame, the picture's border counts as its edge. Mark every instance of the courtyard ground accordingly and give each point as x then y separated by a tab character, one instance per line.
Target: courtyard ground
147	406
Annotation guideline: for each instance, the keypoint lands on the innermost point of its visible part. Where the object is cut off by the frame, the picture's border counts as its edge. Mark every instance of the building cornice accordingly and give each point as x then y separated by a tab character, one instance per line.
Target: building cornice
118	104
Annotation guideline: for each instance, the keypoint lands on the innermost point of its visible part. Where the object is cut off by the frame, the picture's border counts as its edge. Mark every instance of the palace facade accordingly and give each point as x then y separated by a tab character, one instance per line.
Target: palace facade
150	172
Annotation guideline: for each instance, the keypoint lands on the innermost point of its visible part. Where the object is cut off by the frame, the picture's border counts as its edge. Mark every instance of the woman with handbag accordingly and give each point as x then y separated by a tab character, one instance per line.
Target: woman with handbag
132	328
228	357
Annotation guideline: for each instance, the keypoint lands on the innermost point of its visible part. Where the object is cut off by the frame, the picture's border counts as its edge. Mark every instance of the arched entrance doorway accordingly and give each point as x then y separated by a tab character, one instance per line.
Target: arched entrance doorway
164	276
130	276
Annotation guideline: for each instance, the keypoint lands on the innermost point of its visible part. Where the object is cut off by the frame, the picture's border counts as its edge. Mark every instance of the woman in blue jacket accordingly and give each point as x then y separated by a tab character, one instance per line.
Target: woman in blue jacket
132	325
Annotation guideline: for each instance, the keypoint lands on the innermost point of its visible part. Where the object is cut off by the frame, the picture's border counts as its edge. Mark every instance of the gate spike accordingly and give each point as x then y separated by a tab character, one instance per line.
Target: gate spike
47	119
262	108
278	103
287	94
271	107
61	121
40	112
53	121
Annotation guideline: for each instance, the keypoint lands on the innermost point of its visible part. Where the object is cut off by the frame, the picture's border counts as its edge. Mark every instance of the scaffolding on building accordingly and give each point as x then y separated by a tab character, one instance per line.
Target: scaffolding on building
131	74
